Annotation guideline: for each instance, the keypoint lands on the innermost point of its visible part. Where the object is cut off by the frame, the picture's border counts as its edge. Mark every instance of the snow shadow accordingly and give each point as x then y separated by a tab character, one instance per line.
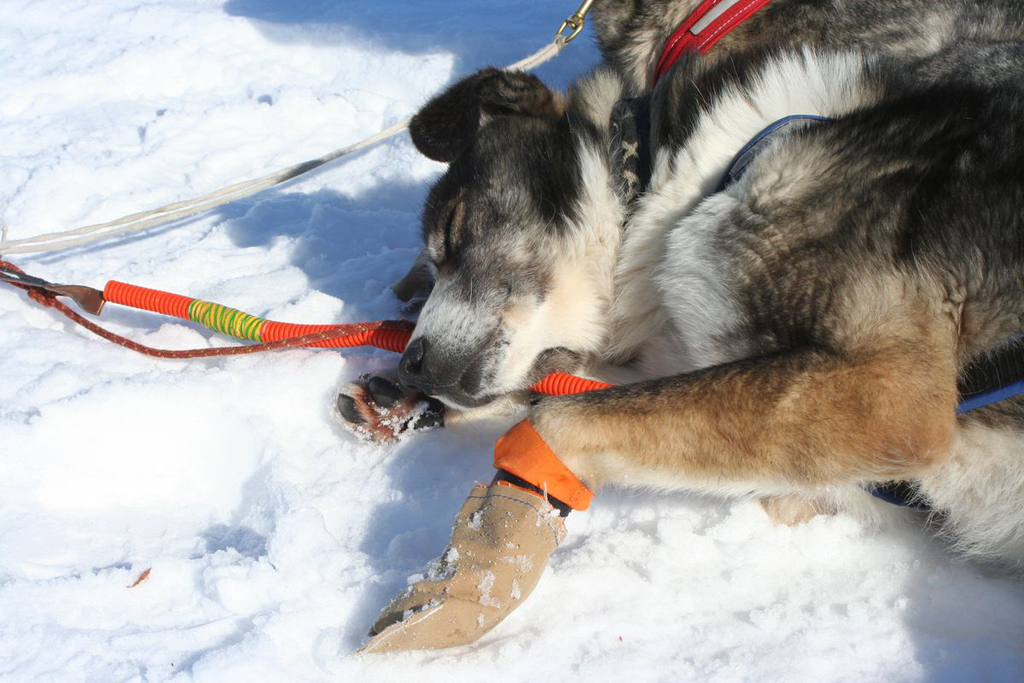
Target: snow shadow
354	248
949	598
432	473
351	248
477	32
245	540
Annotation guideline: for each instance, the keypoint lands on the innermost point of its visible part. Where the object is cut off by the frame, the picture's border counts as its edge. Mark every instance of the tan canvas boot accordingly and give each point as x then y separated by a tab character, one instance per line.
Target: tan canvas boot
500	544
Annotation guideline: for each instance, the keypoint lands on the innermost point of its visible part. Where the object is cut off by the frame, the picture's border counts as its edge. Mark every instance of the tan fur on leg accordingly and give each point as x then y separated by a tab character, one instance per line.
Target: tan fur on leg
783	424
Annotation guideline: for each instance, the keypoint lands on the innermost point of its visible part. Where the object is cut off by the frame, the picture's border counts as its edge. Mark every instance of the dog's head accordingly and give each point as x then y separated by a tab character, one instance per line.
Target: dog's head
522	276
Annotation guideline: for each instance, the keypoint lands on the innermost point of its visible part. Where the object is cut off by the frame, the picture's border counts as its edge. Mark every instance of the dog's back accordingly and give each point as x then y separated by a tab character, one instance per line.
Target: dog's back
631	33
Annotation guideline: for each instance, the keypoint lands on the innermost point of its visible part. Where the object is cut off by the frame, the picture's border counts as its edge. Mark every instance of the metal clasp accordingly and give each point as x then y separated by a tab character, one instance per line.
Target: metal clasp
576	22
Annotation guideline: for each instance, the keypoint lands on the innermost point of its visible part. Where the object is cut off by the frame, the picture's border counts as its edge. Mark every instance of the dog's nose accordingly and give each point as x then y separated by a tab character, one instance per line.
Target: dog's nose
427	368
410	368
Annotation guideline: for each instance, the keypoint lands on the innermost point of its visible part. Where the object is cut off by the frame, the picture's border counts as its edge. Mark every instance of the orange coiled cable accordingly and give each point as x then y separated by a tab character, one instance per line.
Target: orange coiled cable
563	384
147	299
390	335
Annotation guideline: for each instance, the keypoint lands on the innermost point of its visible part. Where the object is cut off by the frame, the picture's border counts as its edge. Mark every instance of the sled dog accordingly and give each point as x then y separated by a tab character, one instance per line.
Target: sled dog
797	328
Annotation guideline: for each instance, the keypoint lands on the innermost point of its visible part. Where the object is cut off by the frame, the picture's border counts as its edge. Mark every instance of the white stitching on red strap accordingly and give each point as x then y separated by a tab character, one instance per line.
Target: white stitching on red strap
729	23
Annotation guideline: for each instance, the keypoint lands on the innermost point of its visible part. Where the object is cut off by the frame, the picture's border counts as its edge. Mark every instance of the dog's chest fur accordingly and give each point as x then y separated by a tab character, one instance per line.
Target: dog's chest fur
677	297
676	306
780	259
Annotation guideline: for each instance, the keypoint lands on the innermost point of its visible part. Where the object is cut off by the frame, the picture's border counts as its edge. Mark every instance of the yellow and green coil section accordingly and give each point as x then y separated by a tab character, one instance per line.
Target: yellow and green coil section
226	320
390	335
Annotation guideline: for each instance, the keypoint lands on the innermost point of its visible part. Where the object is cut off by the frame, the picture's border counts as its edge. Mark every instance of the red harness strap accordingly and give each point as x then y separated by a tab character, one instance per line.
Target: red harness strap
709	23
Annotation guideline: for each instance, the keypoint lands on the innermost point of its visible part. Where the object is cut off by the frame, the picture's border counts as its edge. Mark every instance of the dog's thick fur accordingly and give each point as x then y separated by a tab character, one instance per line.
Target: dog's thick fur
798	335
632	32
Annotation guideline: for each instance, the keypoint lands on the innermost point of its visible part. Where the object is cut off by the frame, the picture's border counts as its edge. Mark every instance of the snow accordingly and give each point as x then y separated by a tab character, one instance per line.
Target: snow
273	536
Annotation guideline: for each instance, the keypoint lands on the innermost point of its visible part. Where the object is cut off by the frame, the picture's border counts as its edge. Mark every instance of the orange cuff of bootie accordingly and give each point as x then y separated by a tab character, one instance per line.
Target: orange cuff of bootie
523	453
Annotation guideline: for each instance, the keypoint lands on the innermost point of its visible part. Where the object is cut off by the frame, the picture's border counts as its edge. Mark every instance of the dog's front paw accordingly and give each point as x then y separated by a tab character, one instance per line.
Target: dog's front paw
379	409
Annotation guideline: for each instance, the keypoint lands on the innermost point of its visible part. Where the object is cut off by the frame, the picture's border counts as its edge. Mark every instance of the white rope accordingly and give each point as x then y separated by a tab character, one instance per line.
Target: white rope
53	241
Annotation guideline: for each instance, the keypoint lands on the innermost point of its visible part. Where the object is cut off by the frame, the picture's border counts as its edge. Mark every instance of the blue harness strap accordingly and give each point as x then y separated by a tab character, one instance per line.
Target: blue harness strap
993	396
738	166
995	376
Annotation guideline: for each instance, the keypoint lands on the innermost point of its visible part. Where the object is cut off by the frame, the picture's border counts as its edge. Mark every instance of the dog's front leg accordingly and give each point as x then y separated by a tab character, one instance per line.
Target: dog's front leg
790	423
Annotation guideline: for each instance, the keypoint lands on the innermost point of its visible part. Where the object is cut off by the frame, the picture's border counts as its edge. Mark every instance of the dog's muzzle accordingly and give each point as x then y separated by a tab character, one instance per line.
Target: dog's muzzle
452	379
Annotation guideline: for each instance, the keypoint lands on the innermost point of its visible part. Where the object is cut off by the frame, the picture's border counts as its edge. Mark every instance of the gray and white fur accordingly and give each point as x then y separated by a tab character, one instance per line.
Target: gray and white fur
798	335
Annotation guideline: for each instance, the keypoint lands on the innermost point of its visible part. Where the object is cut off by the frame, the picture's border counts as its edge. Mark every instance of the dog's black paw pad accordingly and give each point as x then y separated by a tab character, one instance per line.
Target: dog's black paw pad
384	392
349	409
379	409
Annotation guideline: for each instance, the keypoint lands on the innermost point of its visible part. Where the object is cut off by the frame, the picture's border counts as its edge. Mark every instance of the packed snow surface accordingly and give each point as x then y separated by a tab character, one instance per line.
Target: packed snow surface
273	536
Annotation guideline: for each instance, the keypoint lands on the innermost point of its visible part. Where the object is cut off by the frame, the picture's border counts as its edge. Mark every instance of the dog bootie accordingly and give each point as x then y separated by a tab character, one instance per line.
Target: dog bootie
501	541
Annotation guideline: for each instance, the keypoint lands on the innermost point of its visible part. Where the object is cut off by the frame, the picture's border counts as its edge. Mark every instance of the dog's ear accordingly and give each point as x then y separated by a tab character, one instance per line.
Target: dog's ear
448	123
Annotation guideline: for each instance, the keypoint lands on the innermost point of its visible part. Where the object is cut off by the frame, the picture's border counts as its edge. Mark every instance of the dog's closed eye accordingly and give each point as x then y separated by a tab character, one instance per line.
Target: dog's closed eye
451	234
